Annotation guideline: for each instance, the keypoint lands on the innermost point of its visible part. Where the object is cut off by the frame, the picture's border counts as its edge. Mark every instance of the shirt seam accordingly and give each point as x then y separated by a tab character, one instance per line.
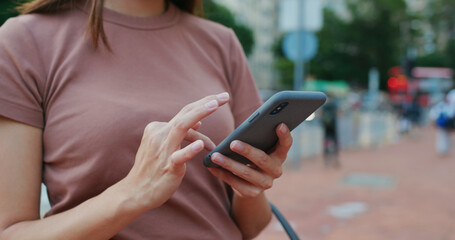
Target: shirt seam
171	24
21	114
19	106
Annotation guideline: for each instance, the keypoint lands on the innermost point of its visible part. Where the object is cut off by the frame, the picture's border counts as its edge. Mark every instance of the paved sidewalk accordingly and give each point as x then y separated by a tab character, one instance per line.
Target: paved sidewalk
402	191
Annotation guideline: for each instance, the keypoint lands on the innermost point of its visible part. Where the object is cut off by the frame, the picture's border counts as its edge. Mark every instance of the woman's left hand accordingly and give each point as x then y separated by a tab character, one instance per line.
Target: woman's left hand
249	181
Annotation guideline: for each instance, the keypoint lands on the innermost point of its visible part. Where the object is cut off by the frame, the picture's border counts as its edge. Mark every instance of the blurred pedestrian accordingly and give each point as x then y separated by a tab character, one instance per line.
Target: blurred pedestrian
414	111
329	123
113	104
404	118
443	116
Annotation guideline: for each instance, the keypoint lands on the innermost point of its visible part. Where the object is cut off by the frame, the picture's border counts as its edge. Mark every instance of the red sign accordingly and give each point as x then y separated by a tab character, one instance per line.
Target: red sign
398	83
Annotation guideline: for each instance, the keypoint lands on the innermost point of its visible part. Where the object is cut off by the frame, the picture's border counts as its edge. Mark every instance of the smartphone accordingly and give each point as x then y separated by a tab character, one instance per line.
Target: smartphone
258	130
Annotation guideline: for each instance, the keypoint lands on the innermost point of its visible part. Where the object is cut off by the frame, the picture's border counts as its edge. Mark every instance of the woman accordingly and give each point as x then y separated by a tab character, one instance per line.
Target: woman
116	124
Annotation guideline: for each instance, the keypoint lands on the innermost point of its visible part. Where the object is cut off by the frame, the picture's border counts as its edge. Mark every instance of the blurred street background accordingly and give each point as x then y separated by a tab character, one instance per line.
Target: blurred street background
393	191
383	64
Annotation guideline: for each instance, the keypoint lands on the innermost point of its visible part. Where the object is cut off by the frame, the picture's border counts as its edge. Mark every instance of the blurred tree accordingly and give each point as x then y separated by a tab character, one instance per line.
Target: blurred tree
349	48
450	54
245	36
284	66
441	14
436	59
220	14
7	10
339	57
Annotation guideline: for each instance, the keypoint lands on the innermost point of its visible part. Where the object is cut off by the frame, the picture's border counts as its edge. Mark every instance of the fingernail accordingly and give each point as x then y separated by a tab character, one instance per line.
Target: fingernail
197	146
237	145
283	129
216	157
211	105
223	96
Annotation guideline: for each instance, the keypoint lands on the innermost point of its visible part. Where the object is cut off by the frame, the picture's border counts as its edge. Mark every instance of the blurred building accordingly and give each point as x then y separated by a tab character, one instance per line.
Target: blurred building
262	17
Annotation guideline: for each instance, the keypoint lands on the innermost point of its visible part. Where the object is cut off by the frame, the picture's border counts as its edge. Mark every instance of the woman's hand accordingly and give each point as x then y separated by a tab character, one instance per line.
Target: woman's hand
160	161
249	181
157	172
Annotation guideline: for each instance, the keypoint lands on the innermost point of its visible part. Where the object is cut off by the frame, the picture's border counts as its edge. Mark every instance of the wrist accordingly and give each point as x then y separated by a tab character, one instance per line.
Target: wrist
245	199
252	214
127	199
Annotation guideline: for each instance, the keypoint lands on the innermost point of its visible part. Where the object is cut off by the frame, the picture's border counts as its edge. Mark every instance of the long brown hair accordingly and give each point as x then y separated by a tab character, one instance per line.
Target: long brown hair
95	26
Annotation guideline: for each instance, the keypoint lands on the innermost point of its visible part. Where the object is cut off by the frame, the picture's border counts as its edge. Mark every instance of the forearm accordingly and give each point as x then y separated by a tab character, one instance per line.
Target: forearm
100	217
251	214
158	170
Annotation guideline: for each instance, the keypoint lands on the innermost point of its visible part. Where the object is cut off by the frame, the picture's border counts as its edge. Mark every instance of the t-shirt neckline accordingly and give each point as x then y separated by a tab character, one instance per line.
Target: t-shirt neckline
164	20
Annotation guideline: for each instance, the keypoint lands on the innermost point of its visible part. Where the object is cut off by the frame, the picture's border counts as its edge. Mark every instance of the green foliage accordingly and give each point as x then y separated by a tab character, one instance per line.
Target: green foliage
224	16
441	14
286	69
450	53
7	10
284	66
436	59
218	13
245	36
445	58
371	38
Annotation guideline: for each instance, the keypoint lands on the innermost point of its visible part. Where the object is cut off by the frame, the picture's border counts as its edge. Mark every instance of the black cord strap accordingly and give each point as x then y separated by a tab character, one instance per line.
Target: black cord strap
287	227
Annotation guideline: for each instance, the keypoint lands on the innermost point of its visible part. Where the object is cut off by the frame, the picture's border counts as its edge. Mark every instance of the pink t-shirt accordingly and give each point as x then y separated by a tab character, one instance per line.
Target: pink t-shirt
93	106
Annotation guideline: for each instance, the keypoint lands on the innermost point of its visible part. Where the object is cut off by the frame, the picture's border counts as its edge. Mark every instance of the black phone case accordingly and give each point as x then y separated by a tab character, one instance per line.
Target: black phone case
258	129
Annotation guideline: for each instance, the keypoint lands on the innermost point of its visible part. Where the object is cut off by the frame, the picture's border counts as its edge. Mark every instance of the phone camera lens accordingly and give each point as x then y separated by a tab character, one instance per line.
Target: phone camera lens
278	109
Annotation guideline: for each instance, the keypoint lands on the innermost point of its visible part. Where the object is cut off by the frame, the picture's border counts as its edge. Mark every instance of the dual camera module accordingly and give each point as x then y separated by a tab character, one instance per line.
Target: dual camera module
279	108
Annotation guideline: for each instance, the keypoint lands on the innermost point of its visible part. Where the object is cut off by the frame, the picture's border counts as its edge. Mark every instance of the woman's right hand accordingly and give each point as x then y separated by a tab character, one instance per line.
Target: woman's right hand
157	172
160	161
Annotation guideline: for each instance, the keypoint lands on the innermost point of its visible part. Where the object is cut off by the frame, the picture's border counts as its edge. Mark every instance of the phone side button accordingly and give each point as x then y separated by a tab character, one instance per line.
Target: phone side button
254	116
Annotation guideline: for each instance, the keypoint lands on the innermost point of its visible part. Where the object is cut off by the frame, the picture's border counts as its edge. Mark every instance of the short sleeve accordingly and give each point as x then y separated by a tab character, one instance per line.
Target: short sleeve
21	72
245	95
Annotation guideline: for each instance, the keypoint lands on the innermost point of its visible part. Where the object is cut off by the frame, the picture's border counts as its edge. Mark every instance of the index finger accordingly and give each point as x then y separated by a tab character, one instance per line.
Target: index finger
194	112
